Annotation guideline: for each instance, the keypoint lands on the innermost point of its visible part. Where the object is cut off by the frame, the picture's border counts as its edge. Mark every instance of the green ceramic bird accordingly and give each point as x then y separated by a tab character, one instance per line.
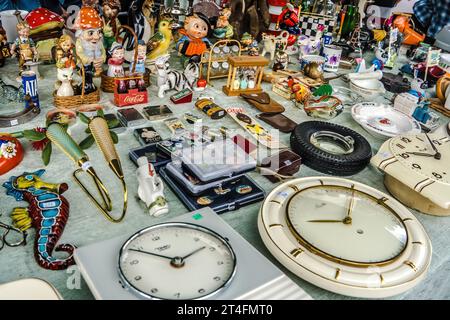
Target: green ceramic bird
158	44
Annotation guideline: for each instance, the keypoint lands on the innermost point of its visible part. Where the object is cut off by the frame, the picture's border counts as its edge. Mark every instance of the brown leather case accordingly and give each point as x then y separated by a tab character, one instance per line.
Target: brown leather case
278	121
263	102
285	163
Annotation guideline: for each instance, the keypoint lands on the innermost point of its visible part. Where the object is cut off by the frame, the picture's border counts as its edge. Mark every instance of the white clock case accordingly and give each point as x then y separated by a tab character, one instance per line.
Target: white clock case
411	188
401	275
256	277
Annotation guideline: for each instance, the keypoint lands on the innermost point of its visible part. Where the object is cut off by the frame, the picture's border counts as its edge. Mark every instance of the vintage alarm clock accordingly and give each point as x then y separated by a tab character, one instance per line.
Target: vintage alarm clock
417	171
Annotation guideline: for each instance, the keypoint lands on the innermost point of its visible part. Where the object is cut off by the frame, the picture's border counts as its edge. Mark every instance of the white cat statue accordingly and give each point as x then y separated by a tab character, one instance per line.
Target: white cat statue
65	89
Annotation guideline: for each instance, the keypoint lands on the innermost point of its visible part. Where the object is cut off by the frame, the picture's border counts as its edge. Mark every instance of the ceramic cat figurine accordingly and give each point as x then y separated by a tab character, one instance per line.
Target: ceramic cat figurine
65	89
176	80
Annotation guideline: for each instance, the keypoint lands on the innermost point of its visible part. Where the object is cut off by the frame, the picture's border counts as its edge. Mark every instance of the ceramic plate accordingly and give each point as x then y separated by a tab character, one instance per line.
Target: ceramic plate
383	121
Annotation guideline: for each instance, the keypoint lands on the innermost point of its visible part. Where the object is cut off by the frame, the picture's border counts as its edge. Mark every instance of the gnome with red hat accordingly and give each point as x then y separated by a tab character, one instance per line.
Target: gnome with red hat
89	44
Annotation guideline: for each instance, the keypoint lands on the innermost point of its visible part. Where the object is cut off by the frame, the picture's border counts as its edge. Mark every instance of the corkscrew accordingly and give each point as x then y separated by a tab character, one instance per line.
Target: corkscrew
58	135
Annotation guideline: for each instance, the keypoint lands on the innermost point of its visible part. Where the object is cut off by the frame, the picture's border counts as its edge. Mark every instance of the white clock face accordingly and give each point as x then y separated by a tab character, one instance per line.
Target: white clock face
346	225
176	261
416	152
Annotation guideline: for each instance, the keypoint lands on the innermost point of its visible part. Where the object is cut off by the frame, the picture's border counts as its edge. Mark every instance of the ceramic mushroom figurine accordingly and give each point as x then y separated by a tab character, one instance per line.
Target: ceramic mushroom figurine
24	45
115	63
193	41
89	44
64	53
111	23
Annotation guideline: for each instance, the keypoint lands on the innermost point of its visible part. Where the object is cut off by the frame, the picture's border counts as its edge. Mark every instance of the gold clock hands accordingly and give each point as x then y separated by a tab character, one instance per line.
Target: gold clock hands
325	220
348	218
437	154
193	252
152	254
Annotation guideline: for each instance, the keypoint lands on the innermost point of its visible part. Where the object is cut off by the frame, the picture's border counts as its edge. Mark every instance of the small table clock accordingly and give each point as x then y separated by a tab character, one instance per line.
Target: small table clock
417	171
194	256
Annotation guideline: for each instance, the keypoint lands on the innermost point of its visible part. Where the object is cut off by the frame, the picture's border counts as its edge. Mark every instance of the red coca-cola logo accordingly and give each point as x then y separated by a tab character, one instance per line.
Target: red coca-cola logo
135	99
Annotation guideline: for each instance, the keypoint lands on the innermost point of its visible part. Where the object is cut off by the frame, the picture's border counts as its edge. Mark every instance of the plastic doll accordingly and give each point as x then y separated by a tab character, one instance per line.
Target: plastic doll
89	44
64	53
111	24
193	41
115	63
25	45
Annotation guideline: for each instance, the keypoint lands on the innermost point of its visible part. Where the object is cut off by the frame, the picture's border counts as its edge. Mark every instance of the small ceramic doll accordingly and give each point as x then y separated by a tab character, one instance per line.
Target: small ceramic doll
193	41
246	41
64	53
25	45
111	24
223	29
253	49
115	63
141	56
89	44
281	58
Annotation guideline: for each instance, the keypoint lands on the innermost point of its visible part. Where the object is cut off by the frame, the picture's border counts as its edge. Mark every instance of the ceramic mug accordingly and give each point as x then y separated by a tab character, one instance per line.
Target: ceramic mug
333	56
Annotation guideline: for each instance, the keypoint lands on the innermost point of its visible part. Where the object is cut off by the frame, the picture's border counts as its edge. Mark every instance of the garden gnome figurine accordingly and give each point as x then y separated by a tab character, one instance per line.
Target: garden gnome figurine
89	44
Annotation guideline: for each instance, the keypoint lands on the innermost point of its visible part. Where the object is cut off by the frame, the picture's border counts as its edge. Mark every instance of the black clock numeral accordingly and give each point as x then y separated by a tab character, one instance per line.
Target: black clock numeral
154	290
437	142
404	155
405	140
416	166
219	263
156	238
177	295
437	175
212	249
400	146
201	290
137	278
133	262
217	278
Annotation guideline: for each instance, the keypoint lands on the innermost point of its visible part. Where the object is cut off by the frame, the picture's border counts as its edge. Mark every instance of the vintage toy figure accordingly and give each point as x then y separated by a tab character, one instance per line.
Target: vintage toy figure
246	41
115	63
281	58
111	23
174	79
64	53
89	44
24	45
64	86
48	212
139	64
158	45
223	27
289	20
193	41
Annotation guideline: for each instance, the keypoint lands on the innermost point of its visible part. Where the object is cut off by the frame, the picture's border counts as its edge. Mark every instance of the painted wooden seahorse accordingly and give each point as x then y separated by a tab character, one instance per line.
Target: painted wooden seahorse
48	213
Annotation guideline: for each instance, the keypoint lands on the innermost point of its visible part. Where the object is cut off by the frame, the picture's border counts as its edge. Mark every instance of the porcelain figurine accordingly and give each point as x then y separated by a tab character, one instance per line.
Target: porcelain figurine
223	29
115	63
4	47
253	49
269	42
24	47
176	80
64	53
151	188
159	43
65	76
139	64
111	23
194	39
289	20
246	41
89	86
281	58
89	44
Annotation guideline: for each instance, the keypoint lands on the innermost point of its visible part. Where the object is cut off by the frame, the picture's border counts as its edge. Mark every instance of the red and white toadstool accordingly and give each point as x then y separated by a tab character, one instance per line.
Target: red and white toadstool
42	19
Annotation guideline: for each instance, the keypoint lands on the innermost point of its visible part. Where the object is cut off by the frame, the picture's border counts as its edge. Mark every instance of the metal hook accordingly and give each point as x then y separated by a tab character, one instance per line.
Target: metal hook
3	238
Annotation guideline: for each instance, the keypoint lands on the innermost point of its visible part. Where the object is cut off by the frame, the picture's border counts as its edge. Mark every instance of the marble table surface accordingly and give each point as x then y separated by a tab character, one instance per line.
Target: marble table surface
86	225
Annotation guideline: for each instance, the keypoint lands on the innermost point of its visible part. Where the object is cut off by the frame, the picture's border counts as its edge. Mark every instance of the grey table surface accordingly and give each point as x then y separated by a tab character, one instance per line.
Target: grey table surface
86	225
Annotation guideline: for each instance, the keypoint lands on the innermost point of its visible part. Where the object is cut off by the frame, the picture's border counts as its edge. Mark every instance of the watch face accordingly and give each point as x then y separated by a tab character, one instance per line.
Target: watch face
417	153
352	222
176	261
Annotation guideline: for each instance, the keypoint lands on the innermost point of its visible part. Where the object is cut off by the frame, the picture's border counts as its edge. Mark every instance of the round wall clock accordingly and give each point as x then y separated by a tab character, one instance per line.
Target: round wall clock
176	261
345	237
417	171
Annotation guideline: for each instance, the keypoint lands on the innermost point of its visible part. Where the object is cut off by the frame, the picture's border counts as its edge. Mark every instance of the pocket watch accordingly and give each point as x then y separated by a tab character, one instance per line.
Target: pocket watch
176	261
344	236
417	171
